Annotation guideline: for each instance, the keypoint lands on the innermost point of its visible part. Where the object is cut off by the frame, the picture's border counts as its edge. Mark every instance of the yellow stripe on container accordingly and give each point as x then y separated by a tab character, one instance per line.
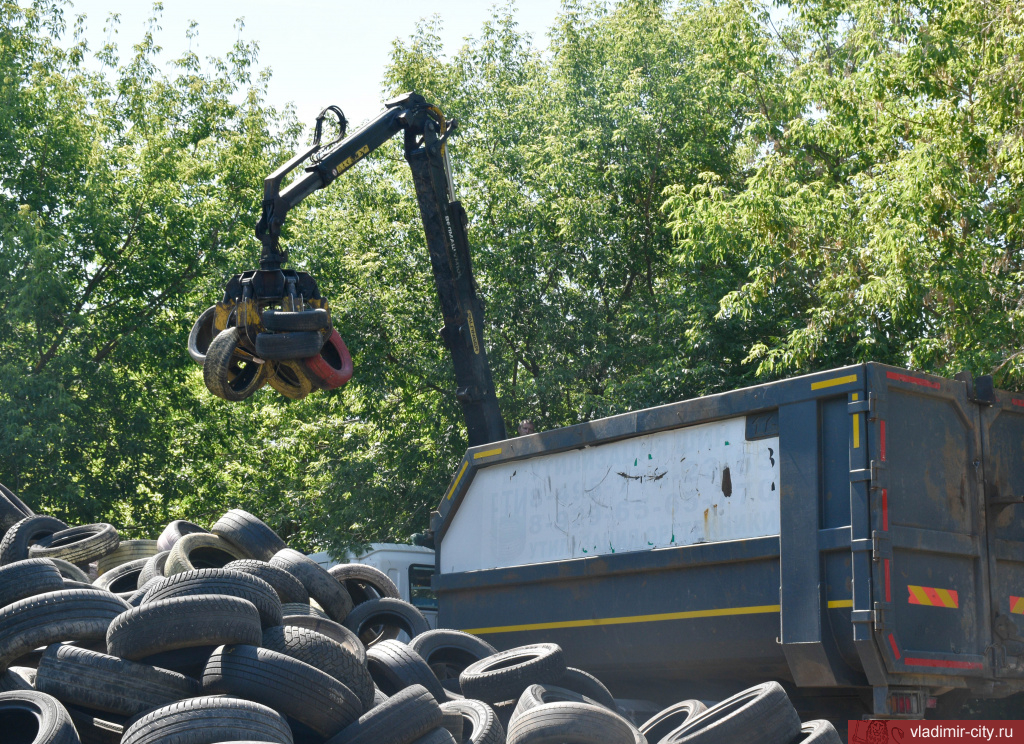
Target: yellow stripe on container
837	603
457	479
629	619
833	382
487	453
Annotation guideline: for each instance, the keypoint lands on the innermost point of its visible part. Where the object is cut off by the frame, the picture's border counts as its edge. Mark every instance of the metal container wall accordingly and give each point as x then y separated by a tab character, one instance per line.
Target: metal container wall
862	538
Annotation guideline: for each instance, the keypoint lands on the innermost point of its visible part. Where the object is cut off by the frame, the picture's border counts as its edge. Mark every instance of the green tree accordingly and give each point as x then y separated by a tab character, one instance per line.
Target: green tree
879	213
127	192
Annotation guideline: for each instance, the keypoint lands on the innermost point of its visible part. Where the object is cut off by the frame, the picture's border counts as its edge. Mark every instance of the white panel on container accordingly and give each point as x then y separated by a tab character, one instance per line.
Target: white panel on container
697	484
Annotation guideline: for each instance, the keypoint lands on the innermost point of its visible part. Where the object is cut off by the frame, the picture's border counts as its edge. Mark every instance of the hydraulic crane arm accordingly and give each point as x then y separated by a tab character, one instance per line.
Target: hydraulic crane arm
444	222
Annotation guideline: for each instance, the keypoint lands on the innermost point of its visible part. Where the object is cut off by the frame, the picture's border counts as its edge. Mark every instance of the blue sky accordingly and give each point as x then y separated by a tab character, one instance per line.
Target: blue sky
320	52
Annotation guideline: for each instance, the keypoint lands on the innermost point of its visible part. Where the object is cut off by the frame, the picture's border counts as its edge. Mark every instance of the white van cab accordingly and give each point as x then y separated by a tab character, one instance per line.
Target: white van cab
409	566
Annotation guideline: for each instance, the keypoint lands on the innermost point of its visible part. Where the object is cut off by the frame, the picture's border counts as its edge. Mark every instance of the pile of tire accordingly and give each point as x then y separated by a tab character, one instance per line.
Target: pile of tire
294	351
227	636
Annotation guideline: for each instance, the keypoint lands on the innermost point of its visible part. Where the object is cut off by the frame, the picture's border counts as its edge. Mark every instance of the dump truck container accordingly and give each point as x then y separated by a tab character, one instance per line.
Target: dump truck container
855	534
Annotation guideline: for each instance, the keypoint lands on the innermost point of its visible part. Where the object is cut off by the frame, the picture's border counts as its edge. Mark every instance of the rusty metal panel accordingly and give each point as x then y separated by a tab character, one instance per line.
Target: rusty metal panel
696	484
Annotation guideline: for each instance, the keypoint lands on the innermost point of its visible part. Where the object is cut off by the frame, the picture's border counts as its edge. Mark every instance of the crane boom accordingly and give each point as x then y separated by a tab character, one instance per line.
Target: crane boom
444	223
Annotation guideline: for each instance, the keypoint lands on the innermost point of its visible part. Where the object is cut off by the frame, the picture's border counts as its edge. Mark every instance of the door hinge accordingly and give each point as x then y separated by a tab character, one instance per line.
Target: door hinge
881	614
881	546
869	406
875	475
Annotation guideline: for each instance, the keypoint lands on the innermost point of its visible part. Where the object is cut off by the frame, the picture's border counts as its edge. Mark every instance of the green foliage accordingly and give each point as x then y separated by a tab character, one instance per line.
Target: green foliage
879	219
673	199
124	190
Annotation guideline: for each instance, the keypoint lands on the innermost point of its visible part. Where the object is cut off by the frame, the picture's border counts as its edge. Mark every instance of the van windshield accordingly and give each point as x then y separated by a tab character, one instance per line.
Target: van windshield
420	593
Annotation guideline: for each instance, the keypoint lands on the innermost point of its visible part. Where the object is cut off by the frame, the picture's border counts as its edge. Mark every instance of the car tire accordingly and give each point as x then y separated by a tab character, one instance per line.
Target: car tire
65	615
289	686
23	534
51	722
328	592
289	345
183	622
578	723
480	722
401	719
209	720
325	654
123	579
176	530
536	695
663	723
316	319
105	683
449	652
228	374
388	612
249	534
332	367
758	715
395	666
506	674
28	578
335	631
363	582
127	551
202	334
200	551
819	732
221	582
78	545
289	589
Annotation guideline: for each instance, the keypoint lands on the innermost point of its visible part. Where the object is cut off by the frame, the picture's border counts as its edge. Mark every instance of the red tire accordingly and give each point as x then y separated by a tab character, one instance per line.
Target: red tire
332	367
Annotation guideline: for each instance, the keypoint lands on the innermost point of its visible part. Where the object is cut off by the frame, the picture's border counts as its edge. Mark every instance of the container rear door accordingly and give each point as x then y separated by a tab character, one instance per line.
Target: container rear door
929	555
1003	439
